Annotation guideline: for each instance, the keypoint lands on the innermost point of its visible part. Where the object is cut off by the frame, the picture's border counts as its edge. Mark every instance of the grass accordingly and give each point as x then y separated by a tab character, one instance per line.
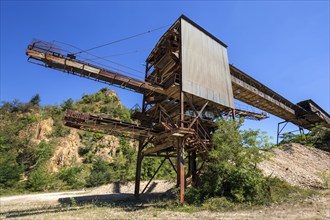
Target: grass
325	177
159	208
281	192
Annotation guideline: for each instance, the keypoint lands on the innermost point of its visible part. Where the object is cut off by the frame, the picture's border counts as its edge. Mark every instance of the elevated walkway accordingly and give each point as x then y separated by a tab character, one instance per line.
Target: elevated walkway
305	114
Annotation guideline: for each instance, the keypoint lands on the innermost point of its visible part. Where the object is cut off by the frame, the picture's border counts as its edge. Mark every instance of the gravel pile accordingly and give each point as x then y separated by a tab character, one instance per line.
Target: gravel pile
298	165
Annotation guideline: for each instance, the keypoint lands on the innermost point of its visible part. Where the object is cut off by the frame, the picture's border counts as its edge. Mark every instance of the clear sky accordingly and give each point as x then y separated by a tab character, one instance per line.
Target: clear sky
283	44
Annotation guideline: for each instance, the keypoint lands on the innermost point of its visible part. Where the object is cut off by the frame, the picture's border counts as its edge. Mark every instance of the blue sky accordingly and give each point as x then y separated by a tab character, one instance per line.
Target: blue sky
283	44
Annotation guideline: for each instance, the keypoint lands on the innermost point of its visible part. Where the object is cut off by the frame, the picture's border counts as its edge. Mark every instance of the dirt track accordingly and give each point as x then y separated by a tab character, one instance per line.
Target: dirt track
296	164
123	205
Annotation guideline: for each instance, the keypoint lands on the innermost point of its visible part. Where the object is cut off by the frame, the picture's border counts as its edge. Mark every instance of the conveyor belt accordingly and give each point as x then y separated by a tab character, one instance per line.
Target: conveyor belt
245	88
94	123
252	92
77	67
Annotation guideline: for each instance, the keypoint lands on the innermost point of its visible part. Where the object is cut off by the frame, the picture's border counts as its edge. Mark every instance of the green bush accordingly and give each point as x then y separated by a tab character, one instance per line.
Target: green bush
100	173
35	100
72	176
68	104
39	179
318	137
44	151
122	166
230	170
10	170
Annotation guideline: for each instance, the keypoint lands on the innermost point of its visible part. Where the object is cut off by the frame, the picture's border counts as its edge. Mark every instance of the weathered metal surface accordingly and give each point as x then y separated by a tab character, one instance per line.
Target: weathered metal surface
305	114
80	68
100	124
205	68
188	84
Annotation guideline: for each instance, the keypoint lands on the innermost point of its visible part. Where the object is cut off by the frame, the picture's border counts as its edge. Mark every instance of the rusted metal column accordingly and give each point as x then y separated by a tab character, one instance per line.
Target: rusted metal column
234	114
182	110
181	166
189	165
193	168
138	169
180	151
177	146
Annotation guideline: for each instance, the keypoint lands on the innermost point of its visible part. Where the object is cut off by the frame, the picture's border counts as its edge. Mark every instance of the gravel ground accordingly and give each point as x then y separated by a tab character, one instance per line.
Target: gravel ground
298	165
124	206
295	164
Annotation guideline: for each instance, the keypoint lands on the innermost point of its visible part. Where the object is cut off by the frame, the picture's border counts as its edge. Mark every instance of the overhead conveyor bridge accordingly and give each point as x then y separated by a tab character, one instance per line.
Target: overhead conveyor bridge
245	88
305	114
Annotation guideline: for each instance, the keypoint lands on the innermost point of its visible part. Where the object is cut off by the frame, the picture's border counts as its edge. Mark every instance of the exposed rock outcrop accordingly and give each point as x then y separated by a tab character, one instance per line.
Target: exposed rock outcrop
107	146
38	131
66	151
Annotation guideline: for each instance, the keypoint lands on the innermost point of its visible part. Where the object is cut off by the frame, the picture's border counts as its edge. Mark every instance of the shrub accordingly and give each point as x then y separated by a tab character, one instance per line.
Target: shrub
39	180
100	173
9	169
35	100
44	151
318	137
230	170
68	104
72	176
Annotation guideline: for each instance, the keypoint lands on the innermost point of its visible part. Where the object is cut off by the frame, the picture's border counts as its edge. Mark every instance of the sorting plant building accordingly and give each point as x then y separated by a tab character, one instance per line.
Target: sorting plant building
188	84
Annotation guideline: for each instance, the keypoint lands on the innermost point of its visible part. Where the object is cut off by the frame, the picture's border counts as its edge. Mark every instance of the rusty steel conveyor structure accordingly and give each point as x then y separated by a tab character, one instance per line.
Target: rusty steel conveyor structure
188	84
245	88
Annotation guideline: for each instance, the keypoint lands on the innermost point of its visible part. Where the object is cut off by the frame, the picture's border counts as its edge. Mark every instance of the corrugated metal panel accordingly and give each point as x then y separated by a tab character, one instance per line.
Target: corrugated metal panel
205	68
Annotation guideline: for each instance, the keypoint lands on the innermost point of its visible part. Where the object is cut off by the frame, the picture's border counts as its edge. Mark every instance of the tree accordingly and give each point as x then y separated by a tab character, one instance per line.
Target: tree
10	170
230	170
100	173
67	104
35	100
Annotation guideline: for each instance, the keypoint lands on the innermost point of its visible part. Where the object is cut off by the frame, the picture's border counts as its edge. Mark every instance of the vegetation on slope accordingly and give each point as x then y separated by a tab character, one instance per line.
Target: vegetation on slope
229	176
318	137
27	150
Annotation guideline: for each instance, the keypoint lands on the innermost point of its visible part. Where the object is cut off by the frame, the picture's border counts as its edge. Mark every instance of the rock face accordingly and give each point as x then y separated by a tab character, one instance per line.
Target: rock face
66	151
298	165
38	131
107	146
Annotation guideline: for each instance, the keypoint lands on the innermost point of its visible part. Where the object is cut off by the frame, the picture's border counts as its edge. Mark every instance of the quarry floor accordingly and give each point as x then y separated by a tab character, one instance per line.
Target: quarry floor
124	206
296	164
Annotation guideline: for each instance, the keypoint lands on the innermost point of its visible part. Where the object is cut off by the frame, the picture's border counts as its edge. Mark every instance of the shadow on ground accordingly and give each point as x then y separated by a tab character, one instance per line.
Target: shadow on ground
127	201
32	212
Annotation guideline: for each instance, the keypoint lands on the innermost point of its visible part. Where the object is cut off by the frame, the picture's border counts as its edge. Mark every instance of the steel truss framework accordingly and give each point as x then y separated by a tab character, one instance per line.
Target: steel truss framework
172	123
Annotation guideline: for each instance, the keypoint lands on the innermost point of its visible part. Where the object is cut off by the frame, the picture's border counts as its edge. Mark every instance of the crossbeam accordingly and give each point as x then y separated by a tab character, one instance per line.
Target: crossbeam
83	69
94	123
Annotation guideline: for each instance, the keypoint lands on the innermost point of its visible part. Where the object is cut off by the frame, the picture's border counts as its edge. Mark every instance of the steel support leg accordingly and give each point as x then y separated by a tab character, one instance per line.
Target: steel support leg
234	114
279	131
180	164
138	170
193	168
177	146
